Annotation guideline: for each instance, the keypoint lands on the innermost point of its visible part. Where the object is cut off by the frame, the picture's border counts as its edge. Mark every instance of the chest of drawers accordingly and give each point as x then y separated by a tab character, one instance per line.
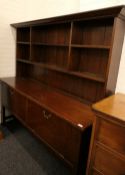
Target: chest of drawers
108	144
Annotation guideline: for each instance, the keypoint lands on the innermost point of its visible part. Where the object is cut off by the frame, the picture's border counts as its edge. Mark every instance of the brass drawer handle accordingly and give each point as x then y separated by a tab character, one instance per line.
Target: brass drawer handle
45	115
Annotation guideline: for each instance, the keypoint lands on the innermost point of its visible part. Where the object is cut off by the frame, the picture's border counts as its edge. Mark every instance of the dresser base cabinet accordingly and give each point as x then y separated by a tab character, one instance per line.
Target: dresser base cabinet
14	102
67	141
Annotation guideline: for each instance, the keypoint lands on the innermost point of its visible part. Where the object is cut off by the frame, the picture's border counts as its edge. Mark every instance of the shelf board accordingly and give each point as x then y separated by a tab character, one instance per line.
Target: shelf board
51	67
23	42
85	75
49	44
23	60
44	65
89	75
90	46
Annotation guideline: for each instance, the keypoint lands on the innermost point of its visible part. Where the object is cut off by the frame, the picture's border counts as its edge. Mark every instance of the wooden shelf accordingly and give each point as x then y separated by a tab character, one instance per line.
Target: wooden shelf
85	75
23	60
43	65
50	44
23	42
90	46
89	75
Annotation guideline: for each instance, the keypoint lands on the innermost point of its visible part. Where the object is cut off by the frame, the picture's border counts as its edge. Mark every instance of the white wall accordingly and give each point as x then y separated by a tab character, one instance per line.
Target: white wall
50	8
10	11
95	4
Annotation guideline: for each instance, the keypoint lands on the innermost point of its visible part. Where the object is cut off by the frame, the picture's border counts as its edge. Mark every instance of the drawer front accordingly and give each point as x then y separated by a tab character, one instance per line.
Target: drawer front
108	163
111	135
60	135
14	101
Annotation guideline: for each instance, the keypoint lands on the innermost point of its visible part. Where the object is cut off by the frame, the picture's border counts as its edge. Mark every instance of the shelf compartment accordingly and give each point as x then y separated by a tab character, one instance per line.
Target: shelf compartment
50	55
23	51
23	69
62	80
44	65
75	86
93	32
23	34
53	33
85	75
91	63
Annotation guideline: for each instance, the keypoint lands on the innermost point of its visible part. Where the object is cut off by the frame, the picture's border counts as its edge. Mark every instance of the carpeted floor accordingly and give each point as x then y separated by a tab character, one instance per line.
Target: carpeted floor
22	154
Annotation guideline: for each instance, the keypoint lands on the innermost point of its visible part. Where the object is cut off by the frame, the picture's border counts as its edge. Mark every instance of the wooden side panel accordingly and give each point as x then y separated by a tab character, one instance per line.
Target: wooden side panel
115	54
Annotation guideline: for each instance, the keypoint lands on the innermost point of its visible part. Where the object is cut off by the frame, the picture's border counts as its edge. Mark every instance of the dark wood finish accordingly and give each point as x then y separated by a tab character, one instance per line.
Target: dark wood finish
63	65
1	135
83	48
52	130
15	102
52	100
49	115
108	146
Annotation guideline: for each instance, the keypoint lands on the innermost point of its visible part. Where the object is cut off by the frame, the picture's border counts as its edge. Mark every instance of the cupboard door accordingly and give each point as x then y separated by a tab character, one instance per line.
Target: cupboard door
6	96
14	101
19	105
57	133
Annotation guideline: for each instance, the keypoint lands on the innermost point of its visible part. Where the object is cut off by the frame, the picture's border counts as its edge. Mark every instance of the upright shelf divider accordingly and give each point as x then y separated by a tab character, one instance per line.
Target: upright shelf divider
69	54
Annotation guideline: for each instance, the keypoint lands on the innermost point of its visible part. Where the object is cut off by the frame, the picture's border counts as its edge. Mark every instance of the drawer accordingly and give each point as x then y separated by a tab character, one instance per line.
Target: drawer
111	135
108	163
14	101
60	135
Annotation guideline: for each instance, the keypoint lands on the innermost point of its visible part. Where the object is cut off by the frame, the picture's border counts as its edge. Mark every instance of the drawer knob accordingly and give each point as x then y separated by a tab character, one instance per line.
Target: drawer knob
45	115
